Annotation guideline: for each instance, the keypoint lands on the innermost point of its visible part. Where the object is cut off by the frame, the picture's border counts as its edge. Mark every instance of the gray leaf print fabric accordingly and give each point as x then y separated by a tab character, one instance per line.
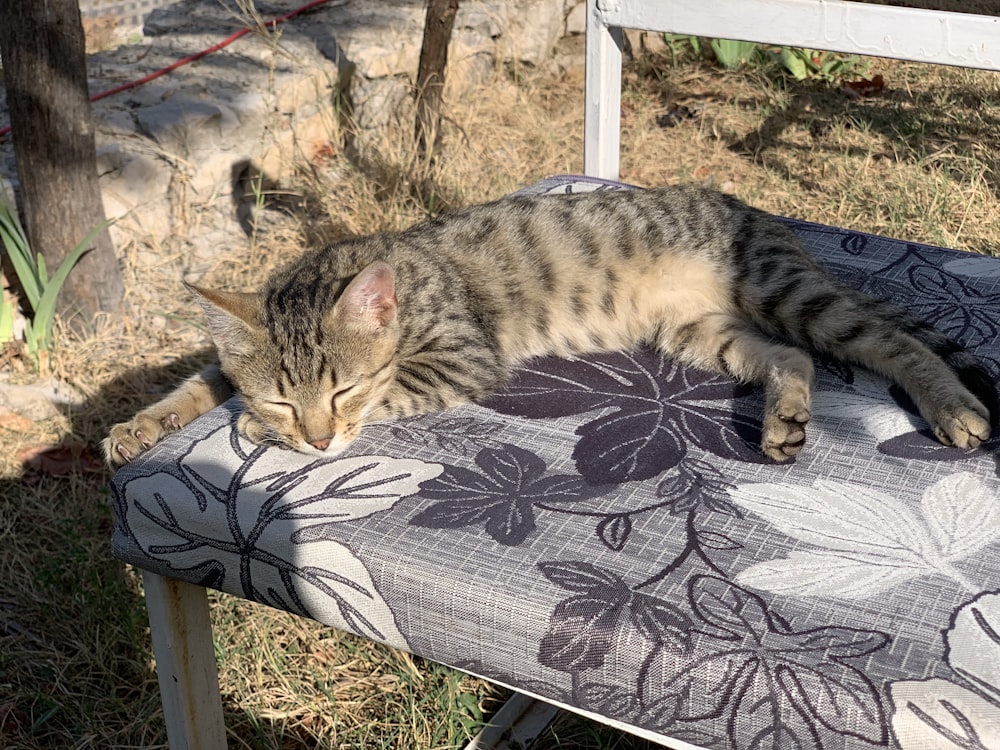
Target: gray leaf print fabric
604	534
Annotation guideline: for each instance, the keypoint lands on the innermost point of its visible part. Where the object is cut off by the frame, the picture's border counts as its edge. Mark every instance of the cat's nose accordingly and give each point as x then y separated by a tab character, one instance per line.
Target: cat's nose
321	445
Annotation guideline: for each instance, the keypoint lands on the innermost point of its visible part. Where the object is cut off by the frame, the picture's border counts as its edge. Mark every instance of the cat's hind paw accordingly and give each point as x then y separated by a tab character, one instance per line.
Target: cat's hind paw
128	439
962	426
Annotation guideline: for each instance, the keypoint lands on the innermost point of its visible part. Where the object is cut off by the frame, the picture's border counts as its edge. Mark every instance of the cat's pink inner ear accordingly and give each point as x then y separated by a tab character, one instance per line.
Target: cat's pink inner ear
371	296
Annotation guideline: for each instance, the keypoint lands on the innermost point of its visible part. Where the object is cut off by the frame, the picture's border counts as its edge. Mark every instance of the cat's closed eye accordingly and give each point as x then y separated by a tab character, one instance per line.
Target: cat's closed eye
342	393
284	406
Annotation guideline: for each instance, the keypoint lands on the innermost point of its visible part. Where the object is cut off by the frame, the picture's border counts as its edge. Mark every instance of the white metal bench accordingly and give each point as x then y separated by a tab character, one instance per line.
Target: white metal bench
171	521
961	39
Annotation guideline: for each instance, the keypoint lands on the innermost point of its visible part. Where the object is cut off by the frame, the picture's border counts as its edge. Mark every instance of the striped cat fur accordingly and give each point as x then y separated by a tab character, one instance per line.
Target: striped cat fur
396	324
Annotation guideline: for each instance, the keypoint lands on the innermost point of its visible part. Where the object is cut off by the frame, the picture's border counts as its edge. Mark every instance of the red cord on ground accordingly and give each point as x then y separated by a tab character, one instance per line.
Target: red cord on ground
272	24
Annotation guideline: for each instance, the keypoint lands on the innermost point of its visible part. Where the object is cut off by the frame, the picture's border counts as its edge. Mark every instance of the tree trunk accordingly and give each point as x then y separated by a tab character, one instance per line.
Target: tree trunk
45	72
438	25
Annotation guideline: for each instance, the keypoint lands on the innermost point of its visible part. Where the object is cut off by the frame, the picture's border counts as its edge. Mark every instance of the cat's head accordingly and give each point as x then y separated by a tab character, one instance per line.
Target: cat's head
310	373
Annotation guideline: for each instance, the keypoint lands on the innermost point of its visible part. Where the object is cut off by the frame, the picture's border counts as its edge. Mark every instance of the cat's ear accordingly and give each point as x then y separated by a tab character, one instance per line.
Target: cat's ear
370	297
233	317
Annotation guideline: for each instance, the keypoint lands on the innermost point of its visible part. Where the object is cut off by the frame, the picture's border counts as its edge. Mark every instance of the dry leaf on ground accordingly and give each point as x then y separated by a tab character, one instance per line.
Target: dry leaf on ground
864	87
60	459
14	422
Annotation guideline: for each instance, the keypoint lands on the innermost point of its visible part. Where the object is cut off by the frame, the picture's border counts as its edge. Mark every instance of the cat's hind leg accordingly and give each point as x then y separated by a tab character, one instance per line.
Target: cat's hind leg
191	399
951	388
721	342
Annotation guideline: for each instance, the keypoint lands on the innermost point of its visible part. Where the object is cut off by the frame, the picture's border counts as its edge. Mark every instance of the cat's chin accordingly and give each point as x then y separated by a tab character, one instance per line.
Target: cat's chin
331	451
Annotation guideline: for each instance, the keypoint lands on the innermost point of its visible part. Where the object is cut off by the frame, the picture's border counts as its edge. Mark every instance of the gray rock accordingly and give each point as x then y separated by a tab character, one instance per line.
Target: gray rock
173	146
39	401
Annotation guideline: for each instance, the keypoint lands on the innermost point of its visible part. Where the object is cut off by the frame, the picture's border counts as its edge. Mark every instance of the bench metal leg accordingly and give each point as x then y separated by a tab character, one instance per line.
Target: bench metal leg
185	663
516	725
602	110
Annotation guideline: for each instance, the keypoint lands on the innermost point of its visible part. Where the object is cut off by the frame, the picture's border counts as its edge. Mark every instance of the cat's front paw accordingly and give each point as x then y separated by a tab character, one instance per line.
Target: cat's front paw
258	433
128	439
784	429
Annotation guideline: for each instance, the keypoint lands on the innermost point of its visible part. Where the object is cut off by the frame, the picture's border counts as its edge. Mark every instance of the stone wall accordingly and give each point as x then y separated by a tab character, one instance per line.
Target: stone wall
125	12
175	145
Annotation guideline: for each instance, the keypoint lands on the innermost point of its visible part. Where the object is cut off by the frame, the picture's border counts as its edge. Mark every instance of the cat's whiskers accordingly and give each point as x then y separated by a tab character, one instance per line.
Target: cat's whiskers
379	413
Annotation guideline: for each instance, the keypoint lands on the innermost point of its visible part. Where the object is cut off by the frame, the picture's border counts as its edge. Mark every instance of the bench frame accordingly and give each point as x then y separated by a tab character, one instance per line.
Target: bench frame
960	39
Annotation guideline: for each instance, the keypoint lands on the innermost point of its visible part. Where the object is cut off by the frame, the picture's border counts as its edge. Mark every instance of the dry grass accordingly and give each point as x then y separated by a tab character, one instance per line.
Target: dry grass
920	161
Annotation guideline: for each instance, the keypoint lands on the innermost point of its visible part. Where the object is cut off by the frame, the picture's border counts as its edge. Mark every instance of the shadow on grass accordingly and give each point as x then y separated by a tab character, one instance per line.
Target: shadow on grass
74	644
959	125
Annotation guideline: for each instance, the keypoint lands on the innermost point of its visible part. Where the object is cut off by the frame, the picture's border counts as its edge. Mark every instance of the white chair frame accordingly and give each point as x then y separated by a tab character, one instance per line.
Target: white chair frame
178	612
960	39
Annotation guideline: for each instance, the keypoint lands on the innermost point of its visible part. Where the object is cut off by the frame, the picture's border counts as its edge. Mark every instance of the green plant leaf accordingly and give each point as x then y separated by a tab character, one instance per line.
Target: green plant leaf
43	270
678	42
470	702
31	341
731	53
802	63
6	321
794	63
45	312
16	242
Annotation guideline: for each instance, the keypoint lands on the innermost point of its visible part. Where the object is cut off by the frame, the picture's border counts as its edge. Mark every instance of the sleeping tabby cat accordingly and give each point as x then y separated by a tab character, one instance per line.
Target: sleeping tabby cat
396	324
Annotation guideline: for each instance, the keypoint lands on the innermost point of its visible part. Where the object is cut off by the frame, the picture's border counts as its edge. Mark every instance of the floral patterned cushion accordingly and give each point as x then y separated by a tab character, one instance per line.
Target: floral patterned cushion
605	534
